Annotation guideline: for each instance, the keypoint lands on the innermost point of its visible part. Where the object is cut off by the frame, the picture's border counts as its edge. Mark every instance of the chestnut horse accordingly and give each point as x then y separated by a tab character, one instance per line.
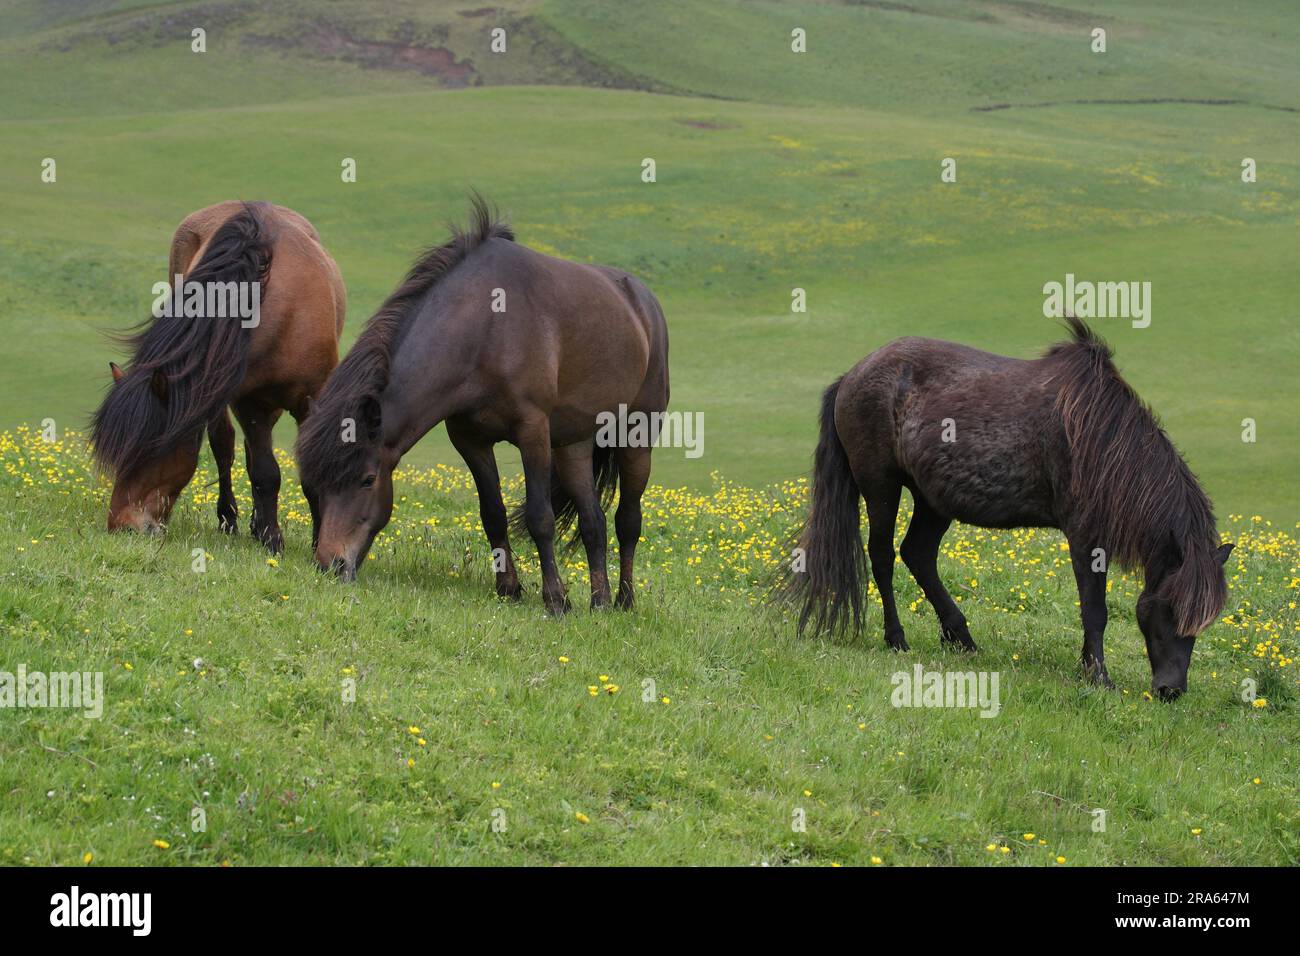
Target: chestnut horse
503	344
1058	442
187	369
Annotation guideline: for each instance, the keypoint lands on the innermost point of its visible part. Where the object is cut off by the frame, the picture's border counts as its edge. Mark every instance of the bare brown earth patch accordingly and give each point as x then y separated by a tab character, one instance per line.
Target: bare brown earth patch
441	45
1025	16
331	42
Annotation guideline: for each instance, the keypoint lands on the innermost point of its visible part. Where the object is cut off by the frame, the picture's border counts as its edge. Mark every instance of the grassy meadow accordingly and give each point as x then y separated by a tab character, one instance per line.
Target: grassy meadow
775	171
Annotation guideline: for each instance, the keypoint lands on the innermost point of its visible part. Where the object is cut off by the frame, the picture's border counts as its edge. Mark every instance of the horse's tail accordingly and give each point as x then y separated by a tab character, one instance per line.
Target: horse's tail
823	577
192	365
565	508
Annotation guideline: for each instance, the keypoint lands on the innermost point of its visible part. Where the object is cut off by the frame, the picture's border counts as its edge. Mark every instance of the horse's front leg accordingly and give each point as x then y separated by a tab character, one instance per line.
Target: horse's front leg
1090	576
482	463
221	436
313	504
257	421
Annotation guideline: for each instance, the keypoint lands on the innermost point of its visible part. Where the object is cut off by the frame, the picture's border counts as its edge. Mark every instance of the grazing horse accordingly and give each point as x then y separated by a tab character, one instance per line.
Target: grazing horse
189	365
1057	442
503	344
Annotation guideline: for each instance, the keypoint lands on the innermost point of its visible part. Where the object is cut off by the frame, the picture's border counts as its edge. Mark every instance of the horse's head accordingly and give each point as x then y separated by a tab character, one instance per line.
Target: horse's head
144	494
351	497
1174	608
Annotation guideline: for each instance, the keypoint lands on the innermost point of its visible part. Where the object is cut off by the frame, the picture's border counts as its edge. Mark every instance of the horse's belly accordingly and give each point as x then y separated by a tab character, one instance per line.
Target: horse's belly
990	507
990	483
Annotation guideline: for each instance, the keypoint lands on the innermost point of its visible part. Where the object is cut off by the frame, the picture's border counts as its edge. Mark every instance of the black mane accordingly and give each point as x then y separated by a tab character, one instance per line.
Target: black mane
324	460
202	360
1134	492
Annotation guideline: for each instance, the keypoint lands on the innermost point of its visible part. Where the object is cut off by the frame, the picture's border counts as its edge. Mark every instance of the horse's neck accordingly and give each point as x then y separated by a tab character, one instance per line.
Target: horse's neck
403	425
418	392
1158	567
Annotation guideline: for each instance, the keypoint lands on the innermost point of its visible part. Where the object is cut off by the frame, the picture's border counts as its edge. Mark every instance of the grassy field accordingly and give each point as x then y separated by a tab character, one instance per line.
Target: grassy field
225	692
775	171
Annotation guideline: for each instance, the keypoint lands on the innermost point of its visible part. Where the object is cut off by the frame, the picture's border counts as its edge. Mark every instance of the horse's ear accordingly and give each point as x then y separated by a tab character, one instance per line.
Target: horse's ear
1223	552
159	385
116	370
372	417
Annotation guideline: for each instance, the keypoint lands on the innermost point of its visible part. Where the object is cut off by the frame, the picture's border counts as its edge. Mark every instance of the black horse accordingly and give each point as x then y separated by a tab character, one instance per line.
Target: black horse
503	344
1058	442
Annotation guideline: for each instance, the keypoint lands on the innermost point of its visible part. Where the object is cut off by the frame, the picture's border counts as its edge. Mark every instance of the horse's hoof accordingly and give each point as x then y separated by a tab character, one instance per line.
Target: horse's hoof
599	602
625	599
228	521
272	539
510	593
1097	676
559	608
957	637
896	640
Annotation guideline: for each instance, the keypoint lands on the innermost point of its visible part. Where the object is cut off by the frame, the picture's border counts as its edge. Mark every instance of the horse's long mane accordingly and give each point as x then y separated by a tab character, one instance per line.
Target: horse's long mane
324	461
1134	493
202	360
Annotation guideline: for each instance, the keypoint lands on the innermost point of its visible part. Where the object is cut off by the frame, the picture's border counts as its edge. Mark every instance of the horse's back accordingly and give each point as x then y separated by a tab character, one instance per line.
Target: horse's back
512	332
304	310
593	316
975	432
294	345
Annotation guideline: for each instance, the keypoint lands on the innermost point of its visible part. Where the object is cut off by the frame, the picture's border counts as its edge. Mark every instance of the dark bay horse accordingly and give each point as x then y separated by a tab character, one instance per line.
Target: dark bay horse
189	365
1057	442
503	344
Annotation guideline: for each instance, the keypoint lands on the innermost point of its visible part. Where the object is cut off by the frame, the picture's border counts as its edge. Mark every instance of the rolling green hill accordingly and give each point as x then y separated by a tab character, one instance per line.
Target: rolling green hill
825	177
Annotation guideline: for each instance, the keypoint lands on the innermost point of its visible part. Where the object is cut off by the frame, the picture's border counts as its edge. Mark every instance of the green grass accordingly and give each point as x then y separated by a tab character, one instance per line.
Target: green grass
224	691
775	171
945	55
738	218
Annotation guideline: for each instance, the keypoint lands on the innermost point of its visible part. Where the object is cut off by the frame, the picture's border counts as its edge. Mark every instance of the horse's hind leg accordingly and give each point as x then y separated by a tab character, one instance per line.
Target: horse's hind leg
221	438
534	442
882	513
633	474
1092	608
482	463
573	468
920	550
257	421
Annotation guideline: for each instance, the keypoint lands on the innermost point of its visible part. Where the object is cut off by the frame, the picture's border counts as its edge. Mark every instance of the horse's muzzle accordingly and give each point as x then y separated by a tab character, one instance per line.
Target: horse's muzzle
343	570
141	524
